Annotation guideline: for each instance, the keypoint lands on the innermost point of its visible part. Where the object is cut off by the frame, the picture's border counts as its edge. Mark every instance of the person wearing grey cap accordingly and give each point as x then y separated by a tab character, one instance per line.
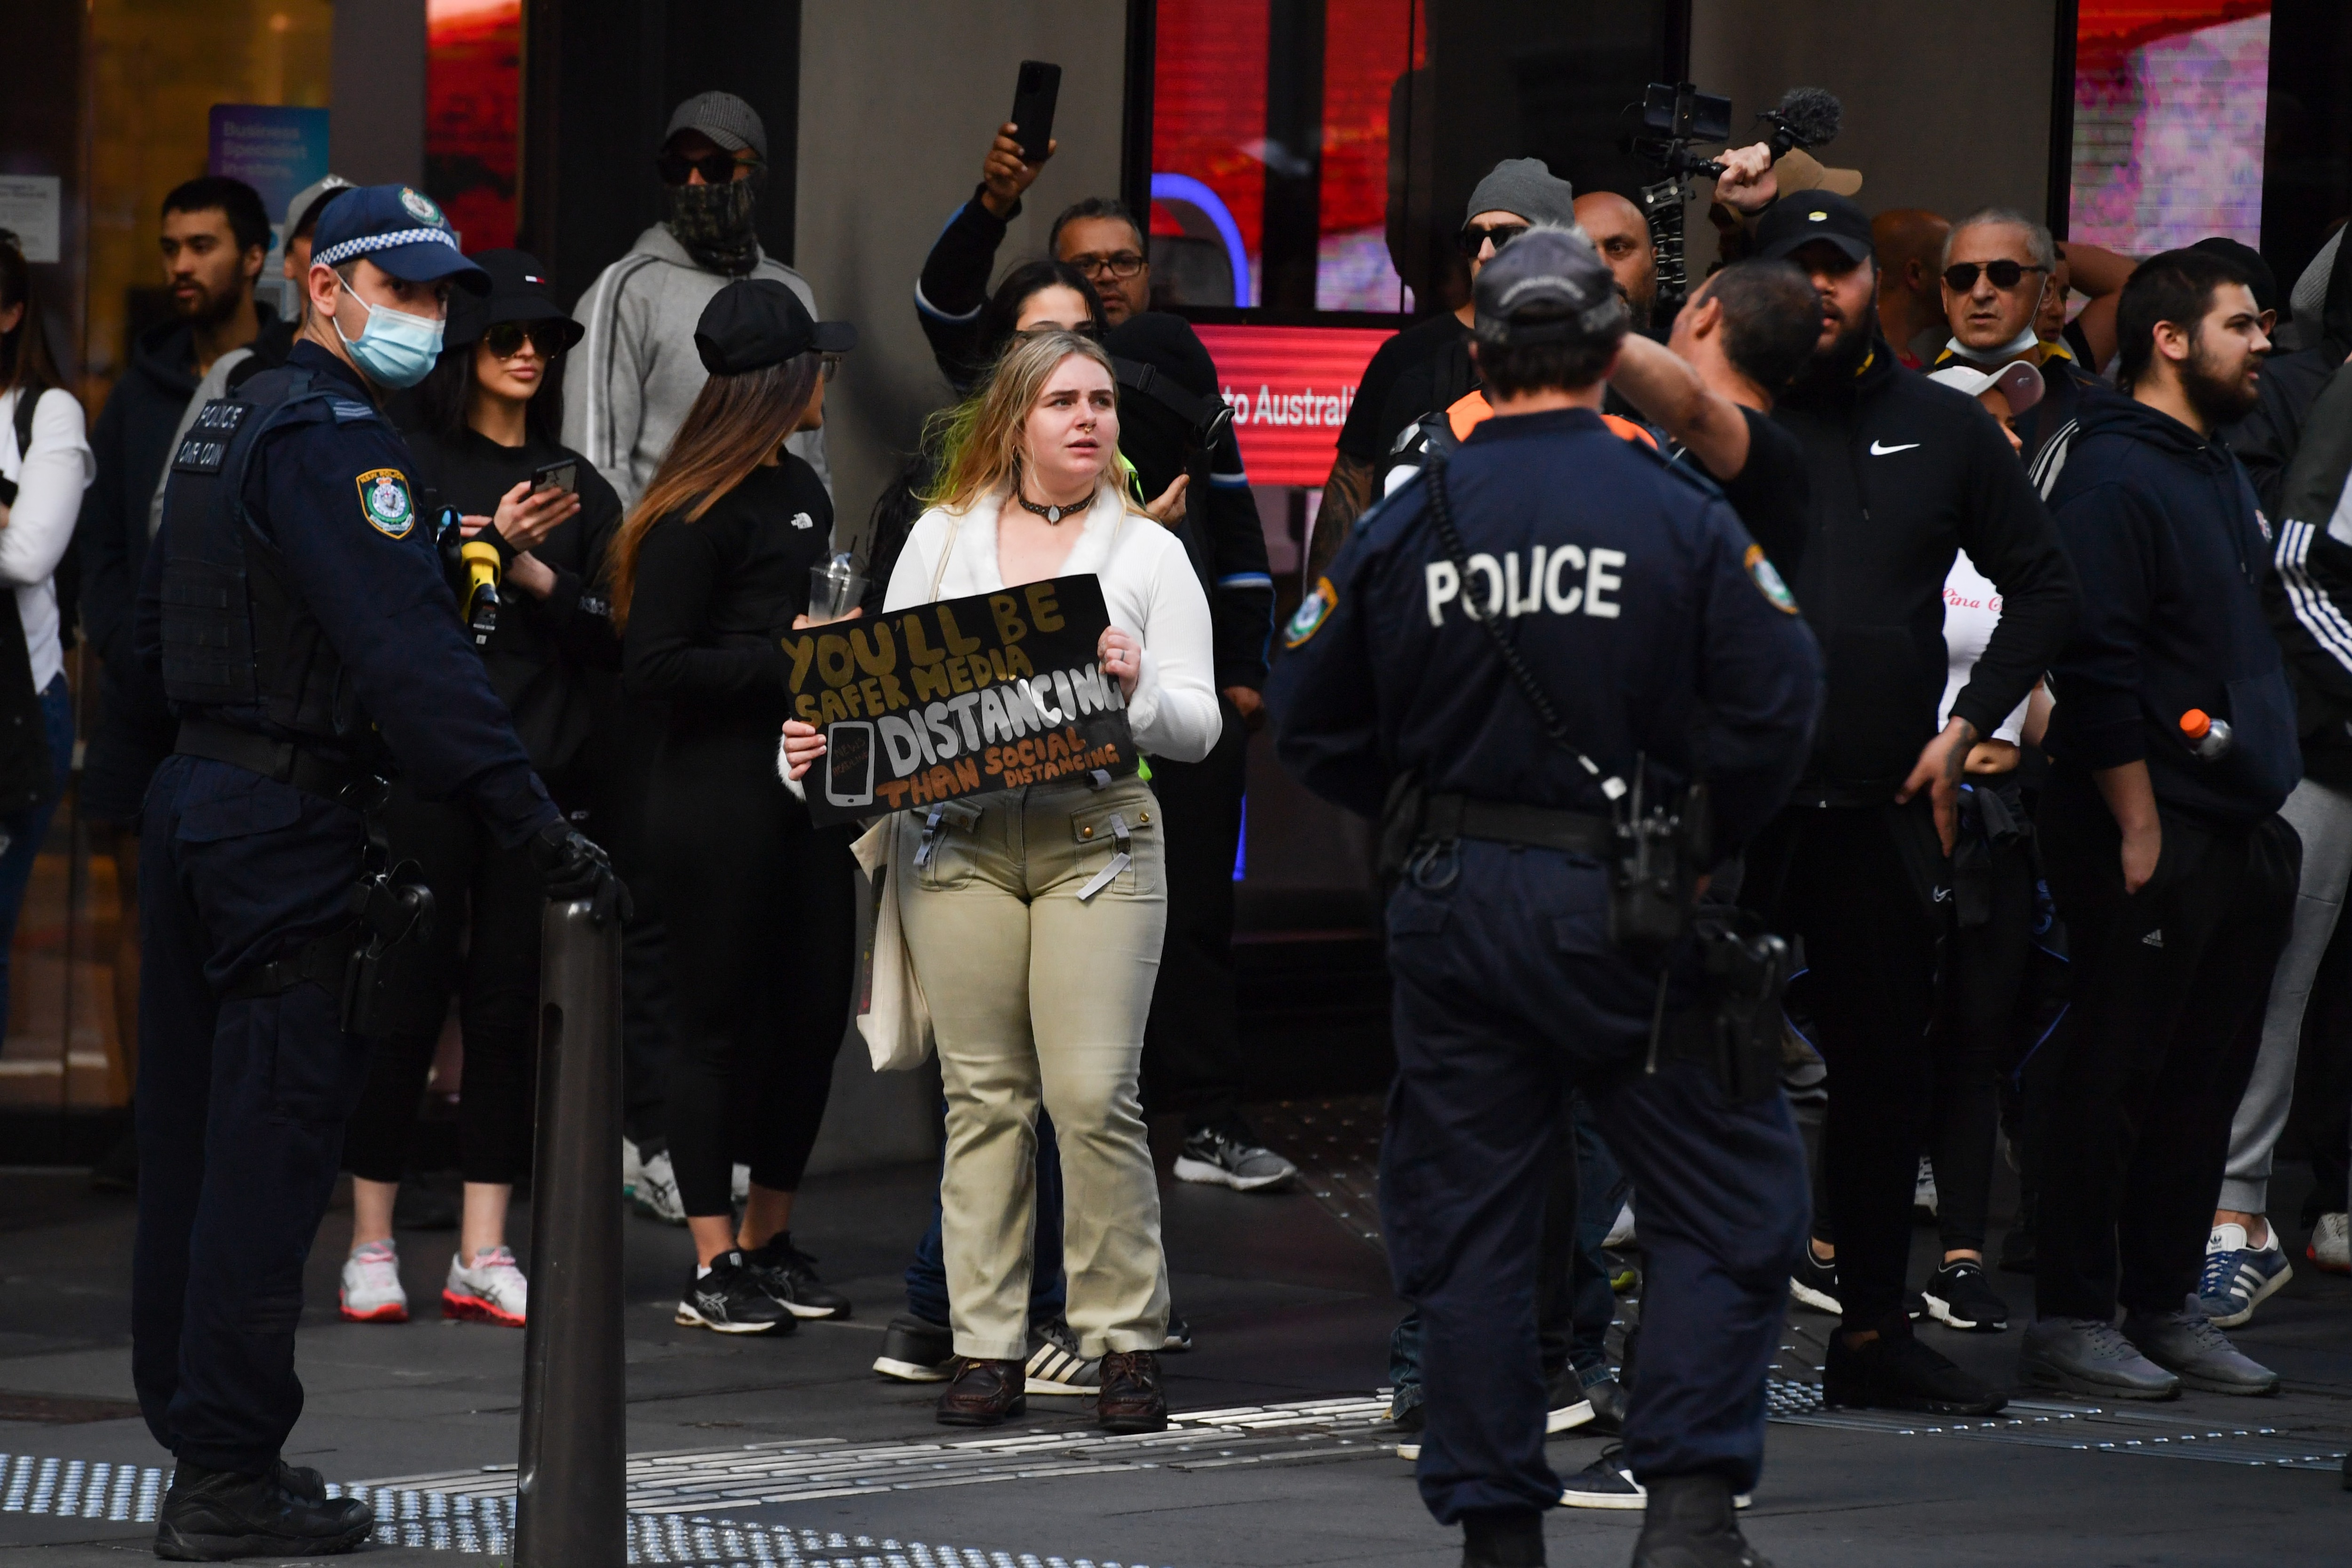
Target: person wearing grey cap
1649	642
1427	366
633	376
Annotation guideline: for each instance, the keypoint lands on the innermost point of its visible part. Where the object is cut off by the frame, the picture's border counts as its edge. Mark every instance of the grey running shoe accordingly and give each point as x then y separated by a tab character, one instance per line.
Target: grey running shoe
1230	1156
1055	1367
2084	1355
2192	1346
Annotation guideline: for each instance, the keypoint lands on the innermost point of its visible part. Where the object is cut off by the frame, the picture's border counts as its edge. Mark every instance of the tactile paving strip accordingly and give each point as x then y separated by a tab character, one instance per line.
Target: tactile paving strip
1336	1144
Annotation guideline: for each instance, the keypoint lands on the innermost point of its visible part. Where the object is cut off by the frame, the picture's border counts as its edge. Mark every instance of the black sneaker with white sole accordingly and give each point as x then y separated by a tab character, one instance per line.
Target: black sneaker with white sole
1055	1367
1962	1296
1607	1483
1566	1406
1229	1154
1179	1337
730	1300
1816	1283
917	1350
789	1274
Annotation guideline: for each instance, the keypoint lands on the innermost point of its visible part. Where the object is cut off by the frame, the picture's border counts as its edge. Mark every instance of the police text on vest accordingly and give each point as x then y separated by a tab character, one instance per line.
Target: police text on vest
1563	581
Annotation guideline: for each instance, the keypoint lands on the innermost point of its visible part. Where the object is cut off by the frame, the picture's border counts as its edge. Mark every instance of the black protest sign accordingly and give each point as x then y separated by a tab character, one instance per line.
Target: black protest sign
960	698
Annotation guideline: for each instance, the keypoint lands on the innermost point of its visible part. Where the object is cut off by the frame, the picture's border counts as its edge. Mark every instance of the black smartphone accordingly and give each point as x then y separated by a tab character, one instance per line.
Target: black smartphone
1032	109
563	474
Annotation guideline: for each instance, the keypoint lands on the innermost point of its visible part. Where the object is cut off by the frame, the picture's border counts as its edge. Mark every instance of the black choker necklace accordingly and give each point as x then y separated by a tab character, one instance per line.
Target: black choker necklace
1051	513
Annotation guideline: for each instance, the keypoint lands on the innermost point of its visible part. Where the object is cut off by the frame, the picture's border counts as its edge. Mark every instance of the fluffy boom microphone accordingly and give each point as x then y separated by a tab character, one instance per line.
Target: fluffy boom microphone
1807	117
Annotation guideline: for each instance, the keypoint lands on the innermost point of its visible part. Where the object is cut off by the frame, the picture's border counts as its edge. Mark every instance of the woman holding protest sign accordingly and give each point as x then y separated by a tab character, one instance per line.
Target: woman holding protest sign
710	569
1034	914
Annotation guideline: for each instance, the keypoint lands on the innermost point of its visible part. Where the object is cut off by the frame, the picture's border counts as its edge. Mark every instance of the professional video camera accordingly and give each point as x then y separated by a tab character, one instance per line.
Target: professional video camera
1680	117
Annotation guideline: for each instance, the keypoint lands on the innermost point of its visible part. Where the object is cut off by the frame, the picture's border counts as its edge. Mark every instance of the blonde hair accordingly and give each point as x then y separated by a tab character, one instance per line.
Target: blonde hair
979	438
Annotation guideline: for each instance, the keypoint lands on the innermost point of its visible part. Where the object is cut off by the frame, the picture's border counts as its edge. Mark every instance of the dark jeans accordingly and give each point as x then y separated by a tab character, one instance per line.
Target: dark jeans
1507	997
1856	885
1192	1051
927	1276
240	1105
28	827
2169	987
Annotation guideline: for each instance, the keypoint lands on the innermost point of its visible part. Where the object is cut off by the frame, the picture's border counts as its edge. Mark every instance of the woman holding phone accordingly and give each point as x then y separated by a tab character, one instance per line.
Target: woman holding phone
1035	927
712	566
484	430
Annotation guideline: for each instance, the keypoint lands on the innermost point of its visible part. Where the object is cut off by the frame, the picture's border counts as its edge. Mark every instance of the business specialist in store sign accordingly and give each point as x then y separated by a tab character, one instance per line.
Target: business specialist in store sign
960	698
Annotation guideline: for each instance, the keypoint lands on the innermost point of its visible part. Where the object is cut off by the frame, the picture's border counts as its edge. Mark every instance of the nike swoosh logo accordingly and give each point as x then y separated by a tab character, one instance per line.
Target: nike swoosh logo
1878	451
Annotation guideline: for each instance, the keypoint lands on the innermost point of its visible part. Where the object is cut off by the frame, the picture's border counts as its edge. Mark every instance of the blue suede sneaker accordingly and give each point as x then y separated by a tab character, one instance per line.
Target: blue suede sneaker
2239	1277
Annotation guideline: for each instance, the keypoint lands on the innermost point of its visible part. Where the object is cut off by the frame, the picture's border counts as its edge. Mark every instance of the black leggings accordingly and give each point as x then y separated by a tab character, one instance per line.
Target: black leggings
1975	1036
762	920
493	898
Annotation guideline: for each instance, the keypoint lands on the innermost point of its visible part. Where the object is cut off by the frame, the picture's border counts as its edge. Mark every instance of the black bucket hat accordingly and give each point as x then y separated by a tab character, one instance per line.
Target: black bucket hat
517	292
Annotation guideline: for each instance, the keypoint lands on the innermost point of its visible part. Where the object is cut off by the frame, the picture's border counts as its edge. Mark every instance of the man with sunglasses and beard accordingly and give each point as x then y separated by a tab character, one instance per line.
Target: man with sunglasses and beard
633	376
1998	269
1903	472
2162	839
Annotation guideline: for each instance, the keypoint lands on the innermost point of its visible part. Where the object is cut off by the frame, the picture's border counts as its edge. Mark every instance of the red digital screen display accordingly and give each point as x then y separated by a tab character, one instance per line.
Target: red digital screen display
1291	389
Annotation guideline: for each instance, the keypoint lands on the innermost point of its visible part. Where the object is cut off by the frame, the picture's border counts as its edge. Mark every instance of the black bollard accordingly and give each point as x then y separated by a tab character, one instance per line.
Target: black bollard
570	1509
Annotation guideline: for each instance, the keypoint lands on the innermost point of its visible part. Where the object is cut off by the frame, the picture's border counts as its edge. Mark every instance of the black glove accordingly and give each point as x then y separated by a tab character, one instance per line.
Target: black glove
576	867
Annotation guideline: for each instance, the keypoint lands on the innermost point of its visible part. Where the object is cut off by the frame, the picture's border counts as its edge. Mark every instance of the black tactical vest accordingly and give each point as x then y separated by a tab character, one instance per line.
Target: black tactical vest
239	645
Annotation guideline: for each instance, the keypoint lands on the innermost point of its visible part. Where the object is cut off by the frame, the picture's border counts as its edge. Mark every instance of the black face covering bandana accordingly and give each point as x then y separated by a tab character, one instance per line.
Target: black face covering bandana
714	223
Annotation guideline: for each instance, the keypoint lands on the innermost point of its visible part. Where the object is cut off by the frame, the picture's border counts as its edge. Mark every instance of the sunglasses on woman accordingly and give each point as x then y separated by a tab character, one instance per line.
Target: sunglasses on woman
1474	237
1961	275
505	337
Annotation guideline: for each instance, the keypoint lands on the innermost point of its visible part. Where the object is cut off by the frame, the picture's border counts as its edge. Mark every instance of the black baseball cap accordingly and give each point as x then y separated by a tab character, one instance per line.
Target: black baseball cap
518	293
1801	217
758	321
1548	286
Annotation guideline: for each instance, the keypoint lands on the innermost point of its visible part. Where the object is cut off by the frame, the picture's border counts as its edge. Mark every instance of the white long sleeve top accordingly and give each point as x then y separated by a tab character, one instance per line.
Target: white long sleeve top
1147	583
49	482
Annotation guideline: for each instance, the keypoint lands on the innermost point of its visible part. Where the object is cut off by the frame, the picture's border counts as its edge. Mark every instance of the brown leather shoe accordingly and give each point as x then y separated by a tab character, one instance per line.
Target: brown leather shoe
1132	1399
984	1392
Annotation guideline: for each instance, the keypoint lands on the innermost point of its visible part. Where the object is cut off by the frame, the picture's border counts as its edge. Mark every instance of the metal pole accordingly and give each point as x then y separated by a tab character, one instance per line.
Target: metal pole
570	1505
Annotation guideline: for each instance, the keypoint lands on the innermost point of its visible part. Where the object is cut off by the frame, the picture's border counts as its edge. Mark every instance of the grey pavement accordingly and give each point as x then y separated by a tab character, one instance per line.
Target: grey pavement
1291	1307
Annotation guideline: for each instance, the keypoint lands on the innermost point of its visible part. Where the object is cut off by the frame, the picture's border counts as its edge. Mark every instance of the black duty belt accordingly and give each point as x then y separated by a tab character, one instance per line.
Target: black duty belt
287	761
1445	817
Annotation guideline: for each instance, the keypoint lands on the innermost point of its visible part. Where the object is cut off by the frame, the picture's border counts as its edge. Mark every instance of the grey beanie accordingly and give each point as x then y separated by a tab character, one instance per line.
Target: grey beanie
2309	296
1525	186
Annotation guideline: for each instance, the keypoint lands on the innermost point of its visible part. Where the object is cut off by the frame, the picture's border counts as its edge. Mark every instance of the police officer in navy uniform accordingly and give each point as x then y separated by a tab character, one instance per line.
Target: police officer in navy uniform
1654	644
295	608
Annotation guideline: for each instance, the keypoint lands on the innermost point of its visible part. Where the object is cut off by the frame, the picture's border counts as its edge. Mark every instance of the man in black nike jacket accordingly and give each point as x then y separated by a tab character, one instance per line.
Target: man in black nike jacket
1905	472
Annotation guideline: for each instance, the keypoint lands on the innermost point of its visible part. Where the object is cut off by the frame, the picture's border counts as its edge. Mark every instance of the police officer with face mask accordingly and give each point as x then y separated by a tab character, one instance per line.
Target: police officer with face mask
1540	663
295	608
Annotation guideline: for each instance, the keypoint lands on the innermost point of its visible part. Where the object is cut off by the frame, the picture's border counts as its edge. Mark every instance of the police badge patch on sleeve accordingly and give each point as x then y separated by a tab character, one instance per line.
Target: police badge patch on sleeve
384	502
1313	611
1768	582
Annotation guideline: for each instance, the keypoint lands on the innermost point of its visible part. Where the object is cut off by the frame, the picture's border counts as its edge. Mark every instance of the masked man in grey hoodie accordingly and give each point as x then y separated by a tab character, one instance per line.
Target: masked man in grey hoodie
631	380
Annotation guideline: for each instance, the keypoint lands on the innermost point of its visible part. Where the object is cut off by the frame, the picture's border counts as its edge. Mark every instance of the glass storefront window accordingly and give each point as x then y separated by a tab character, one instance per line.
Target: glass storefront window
473	115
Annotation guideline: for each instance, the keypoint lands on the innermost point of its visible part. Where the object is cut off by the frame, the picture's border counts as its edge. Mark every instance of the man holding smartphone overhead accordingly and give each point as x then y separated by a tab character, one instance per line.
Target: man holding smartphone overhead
1167	399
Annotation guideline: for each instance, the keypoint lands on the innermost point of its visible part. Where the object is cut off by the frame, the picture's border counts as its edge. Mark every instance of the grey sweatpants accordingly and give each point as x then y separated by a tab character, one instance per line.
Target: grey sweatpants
2321	814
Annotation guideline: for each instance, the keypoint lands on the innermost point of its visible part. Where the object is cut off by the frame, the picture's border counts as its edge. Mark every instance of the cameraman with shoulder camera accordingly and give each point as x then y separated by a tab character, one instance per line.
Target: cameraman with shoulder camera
1903	473
1402	697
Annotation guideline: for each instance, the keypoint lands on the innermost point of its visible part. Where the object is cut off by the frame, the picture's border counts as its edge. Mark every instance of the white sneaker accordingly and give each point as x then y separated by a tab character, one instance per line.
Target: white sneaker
739	1184
372	1292
1622	1233
632	1167
656	1194
2331	1243
492	1291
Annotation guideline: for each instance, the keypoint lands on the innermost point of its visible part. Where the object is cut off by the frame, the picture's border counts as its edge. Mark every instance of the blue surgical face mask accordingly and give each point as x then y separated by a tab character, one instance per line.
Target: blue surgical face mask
394	349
